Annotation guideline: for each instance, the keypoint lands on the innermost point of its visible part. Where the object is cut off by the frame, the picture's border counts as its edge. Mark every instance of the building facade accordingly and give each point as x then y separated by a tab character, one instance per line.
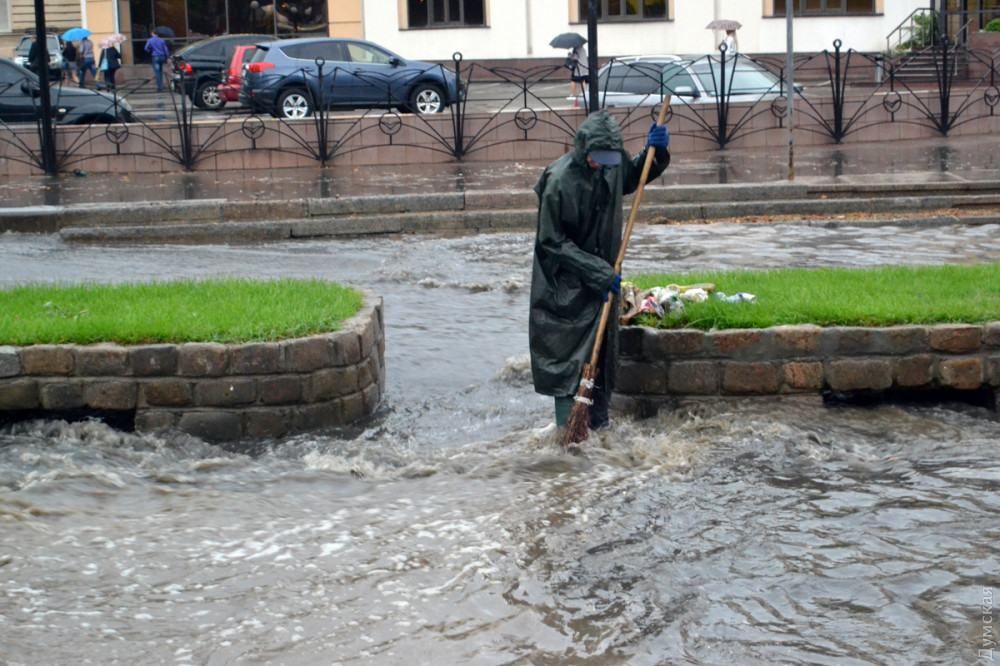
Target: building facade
496	29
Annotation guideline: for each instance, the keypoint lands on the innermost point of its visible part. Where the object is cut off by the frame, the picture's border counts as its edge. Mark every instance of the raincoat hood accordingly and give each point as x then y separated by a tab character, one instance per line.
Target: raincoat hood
600	131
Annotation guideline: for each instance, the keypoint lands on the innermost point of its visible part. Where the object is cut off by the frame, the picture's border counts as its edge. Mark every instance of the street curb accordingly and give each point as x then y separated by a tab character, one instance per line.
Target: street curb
210	220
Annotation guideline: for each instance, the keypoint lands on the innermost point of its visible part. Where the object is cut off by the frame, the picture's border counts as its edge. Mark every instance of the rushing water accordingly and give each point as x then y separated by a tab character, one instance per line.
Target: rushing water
450	530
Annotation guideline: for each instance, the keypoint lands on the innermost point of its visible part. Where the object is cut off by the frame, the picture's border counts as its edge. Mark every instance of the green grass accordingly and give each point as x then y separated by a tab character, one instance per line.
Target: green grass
840	297
226	310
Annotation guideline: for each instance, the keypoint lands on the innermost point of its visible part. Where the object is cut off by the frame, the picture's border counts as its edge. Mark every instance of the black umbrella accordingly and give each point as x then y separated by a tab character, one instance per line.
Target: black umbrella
165	31
567	40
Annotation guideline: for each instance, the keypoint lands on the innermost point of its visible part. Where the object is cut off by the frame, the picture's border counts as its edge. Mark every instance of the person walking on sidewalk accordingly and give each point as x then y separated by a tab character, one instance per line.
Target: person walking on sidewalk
158	49
579	73
577	240
69	62
85	61
111	61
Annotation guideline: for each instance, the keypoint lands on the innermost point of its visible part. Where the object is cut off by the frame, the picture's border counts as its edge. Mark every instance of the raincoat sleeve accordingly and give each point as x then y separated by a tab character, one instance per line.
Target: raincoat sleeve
633	169
556	223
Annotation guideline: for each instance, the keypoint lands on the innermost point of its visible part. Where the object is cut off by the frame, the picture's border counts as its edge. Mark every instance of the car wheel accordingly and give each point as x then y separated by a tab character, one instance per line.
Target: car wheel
426	98
294	103
207	96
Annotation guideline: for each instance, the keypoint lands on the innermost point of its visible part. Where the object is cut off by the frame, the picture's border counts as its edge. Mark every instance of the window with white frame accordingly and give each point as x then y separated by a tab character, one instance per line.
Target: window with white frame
827	7
445	13
626	10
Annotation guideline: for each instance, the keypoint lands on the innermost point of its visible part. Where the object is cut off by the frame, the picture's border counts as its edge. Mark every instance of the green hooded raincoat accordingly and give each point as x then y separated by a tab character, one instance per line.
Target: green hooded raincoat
578	238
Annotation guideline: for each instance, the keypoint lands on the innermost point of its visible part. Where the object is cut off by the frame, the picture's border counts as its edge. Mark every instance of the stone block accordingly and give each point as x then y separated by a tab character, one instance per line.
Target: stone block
662	345
693	377
853	341
280	390
796	341
371	397
331	383
255	359
345	347
993	370
19	394
366	337
367	372
47	360
913	371
318	415
353	407
858	374
166	393
224	392
153	360
202	359
112	394
740	344
307	354
60	395
630	341
750	378
955	339
212	426
10	362
803	375
906	339
265	422
152	420
991	335
961	373
641	378
101	360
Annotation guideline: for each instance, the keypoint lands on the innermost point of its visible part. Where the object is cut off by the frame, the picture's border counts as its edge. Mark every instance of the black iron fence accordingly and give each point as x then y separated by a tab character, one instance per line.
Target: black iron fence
718	99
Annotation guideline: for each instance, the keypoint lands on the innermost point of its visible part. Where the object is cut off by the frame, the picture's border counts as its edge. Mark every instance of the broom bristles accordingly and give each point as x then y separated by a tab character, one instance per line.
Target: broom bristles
578	423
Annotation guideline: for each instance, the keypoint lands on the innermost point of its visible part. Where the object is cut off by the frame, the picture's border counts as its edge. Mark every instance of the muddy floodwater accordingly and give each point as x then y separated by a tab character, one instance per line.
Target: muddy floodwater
450	530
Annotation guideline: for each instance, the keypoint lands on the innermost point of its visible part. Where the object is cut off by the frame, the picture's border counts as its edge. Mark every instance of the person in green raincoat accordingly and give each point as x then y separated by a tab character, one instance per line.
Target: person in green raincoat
577	241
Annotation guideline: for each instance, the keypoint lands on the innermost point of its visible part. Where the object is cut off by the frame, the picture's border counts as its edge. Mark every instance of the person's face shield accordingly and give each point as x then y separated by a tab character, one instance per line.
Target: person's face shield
604	158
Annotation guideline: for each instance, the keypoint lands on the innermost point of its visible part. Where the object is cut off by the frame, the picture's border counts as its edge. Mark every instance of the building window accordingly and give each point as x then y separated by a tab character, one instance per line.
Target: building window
626	10
4	15
826	7
444	13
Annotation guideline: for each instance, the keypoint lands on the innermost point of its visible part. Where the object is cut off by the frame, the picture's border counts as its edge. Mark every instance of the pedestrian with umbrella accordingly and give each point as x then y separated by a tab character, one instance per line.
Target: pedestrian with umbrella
729	27
85	60
576	60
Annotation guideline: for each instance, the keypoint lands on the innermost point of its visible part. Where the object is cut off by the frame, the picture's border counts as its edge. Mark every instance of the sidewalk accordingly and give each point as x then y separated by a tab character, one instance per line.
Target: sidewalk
963	159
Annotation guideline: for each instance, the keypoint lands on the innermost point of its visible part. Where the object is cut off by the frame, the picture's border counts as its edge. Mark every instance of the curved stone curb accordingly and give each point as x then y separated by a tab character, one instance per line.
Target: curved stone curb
214	391
660	364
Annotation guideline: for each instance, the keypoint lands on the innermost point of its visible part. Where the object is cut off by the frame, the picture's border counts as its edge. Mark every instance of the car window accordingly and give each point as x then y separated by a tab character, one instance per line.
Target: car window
212	49
326	50
248	55
642	78
611	79
363	53
742	78
10	76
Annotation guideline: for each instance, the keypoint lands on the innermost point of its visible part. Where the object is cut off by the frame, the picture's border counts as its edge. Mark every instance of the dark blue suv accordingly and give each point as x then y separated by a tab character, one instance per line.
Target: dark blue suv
284	79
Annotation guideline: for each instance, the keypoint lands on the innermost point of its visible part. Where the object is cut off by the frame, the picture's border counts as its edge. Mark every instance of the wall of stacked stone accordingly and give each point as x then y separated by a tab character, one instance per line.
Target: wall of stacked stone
657	364
215	391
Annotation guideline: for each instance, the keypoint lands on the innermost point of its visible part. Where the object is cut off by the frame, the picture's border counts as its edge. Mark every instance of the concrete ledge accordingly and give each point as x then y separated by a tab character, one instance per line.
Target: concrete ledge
214	391
662	365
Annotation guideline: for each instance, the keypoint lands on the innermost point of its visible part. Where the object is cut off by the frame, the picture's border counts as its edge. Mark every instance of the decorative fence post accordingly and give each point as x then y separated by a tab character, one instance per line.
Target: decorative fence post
458	108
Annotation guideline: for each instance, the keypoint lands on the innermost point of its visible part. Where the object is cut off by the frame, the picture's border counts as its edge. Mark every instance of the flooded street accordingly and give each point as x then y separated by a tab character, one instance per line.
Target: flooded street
450	530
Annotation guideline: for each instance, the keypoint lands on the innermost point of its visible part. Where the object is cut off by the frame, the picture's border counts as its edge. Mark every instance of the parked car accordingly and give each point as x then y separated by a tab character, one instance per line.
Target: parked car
202	67
283	79
54	47
695	80
19	95
229	89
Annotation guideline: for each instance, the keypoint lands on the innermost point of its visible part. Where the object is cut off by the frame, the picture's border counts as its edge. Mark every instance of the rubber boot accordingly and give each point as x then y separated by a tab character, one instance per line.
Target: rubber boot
599	418
564	405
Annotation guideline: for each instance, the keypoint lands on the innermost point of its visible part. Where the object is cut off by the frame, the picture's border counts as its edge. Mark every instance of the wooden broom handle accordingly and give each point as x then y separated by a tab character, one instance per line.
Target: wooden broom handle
632	215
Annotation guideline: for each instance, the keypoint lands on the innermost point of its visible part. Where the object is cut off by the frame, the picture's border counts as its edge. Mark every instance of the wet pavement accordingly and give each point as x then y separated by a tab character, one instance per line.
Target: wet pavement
910	162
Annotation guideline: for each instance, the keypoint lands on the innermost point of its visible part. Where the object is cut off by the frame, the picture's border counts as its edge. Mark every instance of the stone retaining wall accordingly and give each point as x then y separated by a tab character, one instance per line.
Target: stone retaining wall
658	364
214	391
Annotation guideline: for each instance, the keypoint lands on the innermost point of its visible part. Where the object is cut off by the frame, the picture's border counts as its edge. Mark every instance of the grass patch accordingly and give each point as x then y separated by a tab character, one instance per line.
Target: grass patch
840	297
226	310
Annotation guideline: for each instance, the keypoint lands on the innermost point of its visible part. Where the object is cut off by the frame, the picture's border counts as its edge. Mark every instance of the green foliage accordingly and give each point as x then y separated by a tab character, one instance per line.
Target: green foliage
921	32
841	297
226	310
993	26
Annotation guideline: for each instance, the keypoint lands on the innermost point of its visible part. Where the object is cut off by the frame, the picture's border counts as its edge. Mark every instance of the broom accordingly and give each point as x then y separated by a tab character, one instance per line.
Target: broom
578	424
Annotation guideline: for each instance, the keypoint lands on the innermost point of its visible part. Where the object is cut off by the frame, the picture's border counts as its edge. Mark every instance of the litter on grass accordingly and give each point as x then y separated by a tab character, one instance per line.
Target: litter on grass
669	301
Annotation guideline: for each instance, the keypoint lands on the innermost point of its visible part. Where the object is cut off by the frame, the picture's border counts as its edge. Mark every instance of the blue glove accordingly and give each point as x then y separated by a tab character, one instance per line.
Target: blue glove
658	137
615	288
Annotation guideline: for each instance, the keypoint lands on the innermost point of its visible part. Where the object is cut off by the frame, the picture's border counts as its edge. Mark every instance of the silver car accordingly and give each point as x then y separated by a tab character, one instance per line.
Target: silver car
697	80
